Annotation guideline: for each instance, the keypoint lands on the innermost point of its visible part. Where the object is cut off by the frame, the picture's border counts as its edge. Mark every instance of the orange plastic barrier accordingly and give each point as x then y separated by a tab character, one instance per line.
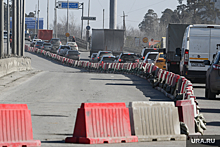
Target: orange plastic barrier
98	123
16	126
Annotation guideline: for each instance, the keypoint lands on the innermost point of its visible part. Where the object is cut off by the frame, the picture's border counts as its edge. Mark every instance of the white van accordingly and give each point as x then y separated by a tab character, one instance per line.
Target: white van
199	44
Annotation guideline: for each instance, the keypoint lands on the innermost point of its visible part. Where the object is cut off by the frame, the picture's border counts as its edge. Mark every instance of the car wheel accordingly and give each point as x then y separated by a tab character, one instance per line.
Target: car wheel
211	95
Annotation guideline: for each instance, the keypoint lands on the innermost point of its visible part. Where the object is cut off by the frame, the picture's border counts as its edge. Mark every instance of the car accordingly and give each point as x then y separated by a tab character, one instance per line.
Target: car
27	36
100	54
150	57
63	49
73	54
39	44
34	41
55	43
147	50
107	59
160	61
213	77
92	57
127	58
73	45
46	46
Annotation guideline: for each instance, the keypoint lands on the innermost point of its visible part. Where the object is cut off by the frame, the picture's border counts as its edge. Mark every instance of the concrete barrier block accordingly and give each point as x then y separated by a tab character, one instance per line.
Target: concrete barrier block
155	121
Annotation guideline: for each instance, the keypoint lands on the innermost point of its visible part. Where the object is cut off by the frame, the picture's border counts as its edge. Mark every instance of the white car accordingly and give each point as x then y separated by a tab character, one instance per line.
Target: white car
34	41
73	45
150	57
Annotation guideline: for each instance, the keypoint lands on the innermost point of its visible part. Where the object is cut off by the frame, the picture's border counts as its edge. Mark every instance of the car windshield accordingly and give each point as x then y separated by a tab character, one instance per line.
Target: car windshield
152	56
63	47
27	35
47	44
40	42
128	56
162	56
217	59
94	55
105	53
73	52
108	59
55	41
148	50
71	43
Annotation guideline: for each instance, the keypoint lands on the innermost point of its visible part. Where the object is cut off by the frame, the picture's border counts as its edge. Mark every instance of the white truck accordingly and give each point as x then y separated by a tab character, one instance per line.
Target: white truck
107	40
199	44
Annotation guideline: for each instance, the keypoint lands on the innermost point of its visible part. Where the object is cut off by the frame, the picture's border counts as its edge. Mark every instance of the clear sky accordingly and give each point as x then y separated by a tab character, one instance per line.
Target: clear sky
135	9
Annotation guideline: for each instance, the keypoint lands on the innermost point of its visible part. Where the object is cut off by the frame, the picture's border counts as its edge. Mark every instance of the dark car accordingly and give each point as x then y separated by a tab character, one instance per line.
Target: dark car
55	43
27	36
93	57
102	53
46	46
73	54
128	58
107	59
39	44
63	49
213	77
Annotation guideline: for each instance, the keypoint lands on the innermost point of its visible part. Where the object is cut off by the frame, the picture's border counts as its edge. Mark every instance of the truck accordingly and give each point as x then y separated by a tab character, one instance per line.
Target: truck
45	35
174	38
198	45
107	40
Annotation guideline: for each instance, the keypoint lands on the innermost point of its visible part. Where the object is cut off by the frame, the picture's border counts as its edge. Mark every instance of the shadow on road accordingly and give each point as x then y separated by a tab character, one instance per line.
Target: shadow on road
49	115
208	110
213	123
57	141
141	84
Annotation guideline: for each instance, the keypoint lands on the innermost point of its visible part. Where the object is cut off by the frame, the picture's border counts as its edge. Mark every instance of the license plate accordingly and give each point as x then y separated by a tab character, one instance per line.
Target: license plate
198	64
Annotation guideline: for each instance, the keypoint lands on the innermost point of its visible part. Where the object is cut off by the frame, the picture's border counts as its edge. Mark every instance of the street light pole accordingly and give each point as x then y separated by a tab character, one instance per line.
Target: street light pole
55	19
47	14
8	28
82	21
38	16
1	29
67	27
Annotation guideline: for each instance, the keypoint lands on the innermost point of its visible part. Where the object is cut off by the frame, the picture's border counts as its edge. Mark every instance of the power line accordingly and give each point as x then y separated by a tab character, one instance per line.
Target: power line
148	6
132	5
100	4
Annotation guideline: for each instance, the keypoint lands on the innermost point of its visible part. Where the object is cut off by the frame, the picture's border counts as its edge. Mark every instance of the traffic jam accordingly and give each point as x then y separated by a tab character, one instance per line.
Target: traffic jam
171	69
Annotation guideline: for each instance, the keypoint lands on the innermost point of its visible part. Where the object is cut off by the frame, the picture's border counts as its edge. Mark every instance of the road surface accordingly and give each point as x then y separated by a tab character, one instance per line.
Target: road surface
54	92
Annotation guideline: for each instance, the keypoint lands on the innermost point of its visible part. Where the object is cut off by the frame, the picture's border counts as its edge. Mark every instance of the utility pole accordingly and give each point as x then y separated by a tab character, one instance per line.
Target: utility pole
38	16
23	28
82	21
55	18
8	28
18	28
47	14
67	27
113	14
2	29
87	31
103	18
14	29
124	26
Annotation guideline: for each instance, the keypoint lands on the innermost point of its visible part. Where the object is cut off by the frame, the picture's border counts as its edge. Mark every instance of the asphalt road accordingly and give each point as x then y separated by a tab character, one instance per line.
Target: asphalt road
55	92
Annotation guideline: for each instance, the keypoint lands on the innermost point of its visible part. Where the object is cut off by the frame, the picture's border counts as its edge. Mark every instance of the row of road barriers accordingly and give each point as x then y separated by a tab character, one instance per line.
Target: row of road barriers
114	122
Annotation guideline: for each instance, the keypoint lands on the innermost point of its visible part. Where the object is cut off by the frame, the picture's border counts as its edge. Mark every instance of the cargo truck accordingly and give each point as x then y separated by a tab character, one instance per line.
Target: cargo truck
45	35
107	40
174	38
